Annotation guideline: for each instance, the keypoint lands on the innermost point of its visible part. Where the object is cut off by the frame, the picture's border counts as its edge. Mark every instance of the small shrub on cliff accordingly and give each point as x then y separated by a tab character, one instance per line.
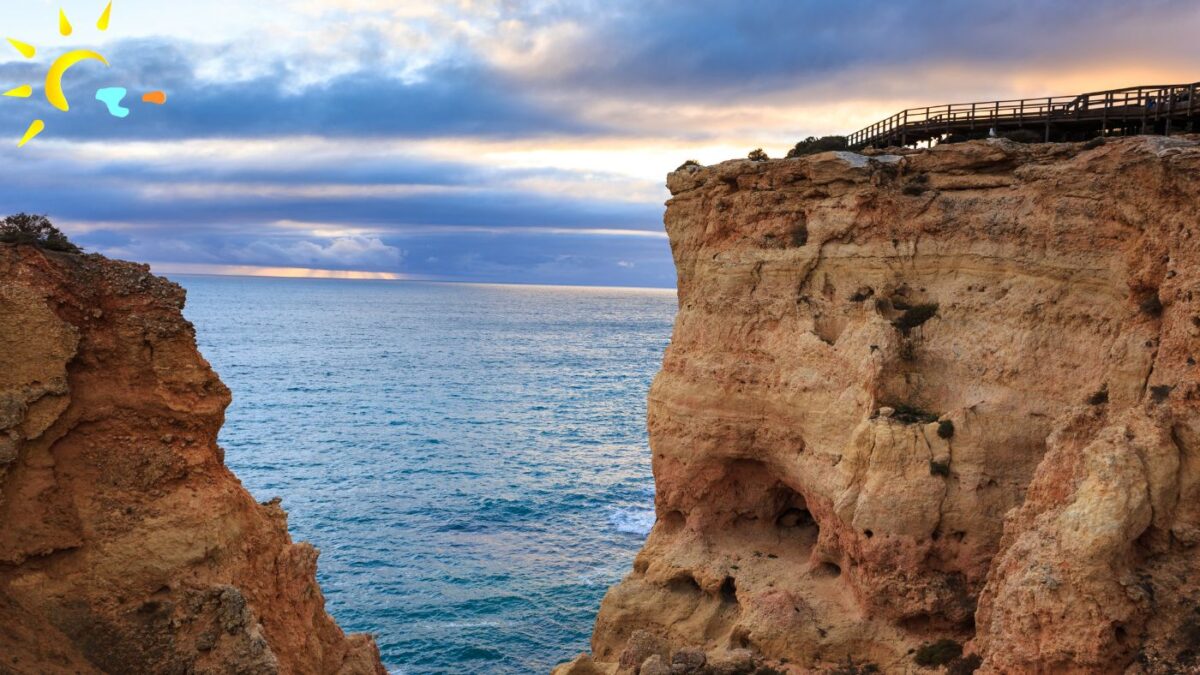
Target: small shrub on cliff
939	468
938	653
689	163
757	155
1151	305
23	228
852	668
909	414
799	234
945	429
812	145
915	316
964	665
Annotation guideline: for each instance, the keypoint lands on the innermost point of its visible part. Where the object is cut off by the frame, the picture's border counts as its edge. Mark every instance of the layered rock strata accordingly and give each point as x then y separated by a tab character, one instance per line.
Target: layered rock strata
924	401
126	545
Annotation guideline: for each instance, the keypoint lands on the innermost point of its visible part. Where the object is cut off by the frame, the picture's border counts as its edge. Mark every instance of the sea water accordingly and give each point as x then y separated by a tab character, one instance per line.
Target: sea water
470	460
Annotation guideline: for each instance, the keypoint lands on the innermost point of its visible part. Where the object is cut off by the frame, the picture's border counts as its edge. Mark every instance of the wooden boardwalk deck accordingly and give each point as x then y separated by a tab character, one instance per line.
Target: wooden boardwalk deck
1148	109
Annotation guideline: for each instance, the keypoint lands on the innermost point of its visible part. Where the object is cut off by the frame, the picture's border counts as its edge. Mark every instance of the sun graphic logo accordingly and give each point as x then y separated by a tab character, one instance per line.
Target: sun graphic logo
112	97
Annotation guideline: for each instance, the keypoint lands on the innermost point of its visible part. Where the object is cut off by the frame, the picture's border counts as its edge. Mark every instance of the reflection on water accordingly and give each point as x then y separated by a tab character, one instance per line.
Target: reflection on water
471	460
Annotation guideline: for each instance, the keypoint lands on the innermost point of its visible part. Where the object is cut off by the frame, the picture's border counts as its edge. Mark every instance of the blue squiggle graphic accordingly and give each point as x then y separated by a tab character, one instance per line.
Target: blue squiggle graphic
112	97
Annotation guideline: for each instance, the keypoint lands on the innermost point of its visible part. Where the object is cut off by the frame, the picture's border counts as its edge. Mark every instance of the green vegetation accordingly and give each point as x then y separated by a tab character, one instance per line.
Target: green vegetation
964	665
915	316
23	228
1152	305
913	415
690	162
812	145
945	429
1161	392
939	468
799	234
852	668
916	185
938	653
757	155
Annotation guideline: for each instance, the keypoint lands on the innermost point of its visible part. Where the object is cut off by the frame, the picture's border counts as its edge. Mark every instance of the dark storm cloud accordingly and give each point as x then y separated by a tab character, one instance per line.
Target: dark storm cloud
665	47
450	99
130	194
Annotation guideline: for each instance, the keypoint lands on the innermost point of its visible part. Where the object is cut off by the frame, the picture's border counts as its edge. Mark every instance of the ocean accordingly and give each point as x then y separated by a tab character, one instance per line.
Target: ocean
470	460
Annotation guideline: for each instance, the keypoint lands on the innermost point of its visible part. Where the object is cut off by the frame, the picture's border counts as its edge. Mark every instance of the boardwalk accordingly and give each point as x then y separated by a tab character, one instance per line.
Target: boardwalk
1160	109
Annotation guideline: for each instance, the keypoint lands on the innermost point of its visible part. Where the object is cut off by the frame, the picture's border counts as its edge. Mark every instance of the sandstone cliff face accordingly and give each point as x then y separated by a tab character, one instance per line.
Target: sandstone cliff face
126	545
937	394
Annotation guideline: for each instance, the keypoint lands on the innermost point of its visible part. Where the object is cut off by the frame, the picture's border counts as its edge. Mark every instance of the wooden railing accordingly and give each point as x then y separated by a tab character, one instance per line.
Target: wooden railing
1145	103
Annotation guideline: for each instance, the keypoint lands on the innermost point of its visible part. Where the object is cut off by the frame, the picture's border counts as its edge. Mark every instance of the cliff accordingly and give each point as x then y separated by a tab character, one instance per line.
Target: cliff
921	401
126	545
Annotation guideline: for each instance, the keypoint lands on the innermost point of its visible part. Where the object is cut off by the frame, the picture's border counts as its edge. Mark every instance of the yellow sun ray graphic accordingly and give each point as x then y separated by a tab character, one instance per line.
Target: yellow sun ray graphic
102	23
27	50
110	96
35	127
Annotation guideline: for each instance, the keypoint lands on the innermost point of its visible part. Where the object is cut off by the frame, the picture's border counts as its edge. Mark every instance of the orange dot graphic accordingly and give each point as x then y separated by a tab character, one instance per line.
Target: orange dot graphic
155	97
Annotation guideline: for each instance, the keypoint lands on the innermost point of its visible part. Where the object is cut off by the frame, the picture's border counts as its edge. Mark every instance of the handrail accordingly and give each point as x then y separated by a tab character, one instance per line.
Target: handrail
1042	109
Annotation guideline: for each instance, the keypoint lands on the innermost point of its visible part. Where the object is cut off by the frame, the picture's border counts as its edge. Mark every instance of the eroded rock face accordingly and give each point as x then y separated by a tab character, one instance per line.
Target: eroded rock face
126	545
938	394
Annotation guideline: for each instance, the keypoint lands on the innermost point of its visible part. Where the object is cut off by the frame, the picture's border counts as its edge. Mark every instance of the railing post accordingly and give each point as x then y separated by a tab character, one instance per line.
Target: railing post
1125	115
1145	108
1104	114
904	130
1170	111
1049	109
1192	108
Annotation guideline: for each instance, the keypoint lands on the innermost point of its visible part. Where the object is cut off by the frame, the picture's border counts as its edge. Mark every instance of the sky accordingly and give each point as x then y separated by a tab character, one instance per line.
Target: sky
505	141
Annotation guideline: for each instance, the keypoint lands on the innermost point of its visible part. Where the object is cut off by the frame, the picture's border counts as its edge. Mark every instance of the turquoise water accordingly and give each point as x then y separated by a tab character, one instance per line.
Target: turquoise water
471	460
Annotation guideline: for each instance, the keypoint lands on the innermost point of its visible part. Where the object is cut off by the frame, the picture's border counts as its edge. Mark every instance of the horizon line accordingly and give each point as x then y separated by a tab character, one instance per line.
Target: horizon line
306	273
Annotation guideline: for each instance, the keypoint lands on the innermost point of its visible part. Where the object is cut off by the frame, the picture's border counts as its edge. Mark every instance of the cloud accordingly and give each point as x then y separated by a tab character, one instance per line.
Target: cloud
338	253
449	99
713	49
507	140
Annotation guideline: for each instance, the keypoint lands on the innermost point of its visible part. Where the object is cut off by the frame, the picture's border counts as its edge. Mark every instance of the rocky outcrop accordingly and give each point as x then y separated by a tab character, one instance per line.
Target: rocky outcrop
126	545
927	399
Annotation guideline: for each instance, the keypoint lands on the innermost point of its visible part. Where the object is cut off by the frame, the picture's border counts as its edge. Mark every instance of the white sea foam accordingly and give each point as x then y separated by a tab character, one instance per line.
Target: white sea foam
602	576
632	520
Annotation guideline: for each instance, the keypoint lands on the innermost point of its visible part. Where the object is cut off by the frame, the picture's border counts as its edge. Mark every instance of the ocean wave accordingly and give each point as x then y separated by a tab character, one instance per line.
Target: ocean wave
605	576
632	520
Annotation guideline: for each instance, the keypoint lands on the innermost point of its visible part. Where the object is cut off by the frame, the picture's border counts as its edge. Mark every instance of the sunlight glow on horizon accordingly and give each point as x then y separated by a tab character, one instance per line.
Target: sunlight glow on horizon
167	269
